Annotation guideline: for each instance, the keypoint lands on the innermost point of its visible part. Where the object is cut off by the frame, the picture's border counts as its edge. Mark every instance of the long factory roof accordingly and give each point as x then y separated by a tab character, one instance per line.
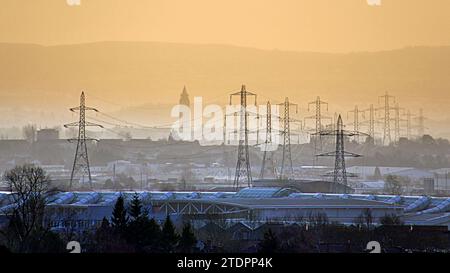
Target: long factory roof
252	198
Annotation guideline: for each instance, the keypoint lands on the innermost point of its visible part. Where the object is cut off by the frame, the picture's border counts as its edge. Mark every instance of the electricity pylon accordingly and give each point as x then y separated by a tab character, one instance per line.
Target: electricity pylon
81	161
334	121
340	172
356	123
371	121
243	168
318	117
286	120
397	120
268	145
421	123
408	120
387	139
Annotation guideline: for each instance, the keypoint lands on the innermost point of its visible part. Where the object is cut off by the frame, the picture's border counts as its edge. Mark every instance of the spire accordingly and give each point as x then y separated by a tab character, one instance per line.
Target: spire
184	97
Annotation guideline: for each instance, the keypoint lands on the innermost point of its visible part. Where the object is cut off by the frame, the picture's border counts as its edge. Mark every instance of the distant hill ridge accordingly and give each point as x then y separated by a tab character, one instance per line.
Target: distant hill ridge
139	73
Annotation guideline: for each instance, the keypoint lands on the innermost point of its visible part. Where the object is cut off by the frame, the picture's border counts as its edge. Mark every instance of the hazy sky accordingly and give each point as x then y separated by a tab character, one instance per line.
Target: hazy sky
107	70
317	25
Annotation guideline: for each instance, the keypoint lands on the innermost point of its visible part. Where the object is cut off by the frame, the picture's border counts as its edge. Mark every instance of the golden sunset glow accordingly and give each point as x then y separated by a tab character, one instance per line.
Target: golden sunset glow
301	25
131	52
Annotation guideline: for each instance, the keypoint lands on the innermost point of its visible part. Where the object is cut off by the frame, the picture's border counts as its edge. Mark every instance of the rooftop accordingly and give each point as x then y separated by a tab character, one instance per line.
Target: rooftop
254	198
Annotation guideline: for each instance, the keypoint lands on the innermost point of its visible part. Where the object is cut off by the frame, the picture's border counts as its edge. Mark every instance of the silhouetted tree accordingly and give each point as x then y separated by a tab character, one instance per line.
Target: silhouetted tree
135	210
141	232
107	240
153	236
108	184
187	239
428	140
45	241
119	218
364	220
393	185
169	236
270	242
30	185
368	218
391	220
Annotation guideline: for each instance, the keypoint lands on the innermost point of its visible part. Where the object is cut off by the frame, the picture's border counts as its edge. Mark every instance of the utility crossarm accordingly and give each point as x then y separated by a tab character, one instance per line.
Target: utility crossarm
346	154
86	108
87	123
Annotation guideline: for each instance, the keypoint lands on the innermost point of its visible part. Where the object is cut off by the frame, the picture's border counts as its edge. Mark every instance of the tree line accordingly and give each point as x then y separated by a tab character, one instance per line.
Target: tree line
131	230
27	228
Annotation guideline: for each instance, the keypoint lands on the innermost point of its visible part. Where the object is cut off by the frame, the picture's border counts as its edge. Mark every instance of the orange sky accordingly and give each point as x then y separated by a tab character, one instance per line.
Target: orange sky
317	25
416	76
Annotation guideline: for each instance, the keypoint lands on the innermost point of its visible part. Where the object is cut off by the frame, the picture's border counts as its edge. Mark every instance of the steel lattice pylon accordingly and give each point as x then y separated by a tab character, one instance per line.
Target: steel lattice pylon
287	155
420	119
356	123
371	121
387	139
408	124
397	120
268	155
318	117
243	168
81	160
340	172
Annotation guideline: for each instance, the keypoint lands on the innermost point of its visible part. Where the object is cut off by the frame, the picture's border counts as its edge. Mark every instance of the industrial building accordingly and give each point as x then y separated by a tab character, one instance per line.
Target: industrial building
249	205
47	134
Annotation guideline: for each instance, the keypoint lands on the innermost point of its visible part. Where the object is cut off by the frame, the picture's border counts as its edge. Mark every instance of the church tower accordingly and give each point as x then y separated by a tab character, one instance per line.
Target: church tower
184	100
184	97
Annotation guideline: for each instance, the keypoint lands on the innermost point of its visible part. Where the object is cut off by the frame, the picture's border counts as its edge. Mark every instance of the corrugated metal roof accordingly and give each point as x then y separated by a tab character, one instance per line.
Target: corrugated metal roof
250	197
301	203
263	192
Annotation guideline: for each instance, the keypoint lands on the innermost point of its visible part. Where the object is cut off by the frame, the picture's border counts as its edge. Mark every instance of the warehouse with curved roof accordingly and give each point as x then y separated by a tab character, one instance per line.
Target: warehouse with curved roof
250	204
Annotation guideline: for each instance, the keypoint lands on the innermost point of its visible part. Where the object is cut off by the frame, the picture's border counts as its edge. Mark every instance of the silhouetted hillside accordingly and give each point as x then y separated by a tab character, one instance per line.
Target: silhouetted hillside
133	73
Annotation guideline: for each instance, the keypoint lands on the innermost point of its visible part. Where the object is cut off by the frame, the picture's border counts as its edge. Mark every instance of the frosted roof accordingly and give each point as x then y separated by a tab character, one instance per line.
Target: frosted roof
413	204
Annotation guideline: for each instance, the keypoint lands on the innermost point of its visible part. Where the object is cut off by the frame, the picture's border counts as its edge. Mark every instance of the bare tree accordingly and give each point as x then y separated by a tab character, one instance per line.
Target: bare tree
65	219
368	218
394	184
29	186
364	220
